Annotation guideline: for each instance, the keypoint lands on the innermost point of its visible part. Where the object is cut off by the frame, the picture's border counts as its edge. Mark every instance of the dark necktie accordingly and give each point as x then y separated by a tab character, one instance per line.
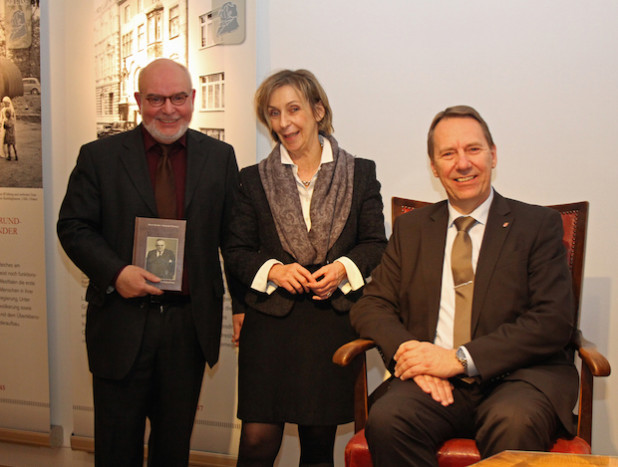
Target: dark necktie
165	189
463	279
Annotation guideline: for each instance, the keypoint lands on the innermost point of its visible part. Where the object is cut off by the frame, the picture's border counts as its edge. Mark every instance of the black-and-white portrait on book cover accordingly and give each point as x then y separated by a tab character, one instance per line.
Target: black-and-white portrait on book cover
161	258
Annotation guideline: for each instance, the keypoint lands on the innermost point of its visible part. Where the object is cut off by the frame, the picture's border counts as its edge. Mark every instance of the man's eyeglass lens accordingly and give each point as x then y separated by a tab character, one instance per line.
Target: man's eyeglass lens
157	101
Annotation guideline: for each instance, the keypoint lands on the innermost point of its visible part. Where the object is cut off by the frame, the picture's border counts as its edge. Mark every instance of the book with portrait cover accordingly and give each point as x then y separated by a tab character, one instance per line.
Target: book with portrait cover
159	247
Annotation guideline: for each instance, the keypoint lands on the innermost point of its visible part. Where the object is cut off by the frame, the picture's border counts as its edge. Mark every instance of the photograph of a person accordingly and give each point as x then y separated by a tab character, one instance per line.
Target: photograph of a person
8	126
161	261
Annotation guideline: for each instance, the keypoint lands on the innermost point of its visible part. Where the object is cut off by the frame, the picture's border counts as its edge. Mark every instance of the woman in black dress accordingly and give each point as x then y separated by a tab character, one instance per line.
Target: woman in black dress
306	233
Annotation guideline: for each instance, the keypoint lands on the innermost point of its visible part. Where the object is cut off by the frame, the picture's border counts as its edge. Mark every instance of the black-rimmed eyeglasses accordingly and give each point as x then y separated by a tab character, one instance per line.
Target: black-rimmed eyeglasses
157	100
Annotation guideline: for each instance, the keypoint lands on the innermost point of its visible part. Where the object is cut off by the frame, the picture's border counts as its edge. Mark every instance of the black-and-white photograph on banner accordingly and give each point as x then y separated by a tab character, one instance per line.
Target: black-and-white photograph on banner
212	39
20	87
130	34
24	396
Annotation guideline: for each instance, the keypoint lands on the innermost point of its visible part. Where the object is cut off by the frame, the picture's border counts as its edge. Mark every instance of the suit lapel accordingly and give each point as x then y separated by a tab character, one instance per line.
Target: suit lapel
196	160
134	160
434	241
497	229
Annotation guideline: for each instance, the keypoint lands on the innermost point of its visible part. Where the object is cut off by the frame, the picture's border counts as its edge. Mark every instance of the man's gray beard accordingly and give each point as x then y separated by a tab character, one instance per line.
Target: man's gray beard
164	139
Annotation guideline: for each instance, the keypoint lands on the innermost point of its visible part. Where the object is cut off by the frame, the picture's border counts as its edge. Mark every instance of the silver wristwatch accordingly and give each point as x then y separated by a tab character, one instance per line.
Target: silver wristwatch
461	356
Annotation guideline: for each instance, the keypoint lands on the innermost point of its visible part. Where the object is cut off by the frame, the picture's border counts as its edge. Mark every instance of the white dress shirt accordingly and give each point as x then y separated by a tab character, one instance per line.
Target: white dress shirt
354	280
444	331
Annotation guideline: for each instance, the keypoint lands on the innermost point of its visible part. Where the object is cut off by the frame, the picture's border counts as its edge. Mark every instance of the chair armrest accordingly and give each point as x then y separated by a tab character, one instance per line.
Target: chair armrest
348	352
591	357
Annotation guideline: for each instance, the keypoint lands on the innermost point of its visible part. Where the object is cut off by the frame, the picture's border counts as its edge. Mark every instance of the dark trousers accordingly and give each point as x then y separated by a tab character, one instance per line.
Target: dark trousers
163	386
406	426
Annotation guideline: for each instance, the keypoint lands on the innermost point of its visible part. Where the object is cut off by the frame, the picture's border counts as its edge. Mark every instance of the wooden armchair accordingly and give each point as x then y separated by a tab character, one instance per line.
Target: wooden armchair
463	452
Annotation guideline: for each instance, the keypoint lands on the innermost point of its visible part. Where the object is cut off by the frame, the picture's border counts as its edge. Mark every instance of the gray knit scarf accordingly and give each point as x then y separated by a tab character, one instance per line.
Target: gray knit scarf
330	204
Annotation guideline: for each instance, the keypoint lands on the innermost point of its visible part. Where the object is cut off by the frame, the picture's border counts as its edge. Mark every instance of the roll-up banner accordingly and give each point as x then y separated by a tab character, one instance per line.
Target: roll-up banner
24	372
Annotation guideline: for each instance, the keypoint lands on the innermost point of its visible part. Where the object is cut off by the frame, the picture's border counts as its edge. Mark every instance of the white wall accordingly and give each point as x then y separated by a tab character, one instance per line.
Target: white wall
542	73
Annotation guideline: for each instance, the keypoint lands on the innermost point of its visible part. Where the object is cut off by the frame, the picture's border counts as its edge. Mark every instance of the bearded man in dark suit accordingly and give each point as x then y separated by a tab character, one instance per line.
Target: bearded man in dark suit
511	384
146	348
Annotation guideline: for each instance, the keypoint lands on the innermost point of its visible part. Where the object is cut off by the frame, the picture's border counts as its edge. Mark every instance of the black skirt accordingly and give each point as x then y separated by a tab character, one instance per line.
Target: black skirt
285	367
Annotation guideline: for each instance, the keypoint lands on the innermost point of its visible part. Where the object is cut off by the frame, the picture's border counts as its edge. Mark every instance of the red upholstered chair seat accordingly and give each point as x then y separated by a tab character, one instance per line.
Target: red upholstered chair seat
453	453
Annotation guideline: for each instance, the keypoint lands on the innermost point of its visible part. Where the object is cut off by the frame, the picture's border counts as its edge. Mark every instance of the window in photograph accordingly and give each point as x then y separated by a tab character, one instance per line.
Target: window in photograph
174	21
154	26
217	133
109	61
127	44
141	37
212	87
208	29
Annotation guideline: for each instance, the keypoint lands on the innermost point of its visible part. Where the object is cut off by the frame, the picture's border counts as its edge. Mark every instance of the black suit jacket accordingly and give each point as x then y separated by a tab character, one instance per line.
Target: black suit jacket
522	314
254	240
109	187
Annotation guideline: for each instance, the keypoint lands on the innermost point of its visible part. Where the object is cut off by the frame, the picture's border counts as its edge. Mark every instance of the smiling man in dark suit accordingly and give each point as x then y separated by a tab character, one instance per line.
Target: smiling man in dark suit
510	383
146	348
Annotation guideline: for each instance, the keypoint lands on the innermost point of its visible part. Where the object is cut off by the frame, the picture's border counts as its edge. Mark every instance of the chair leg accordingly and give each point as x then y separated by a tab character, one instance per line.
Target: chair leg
584	422
360	392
